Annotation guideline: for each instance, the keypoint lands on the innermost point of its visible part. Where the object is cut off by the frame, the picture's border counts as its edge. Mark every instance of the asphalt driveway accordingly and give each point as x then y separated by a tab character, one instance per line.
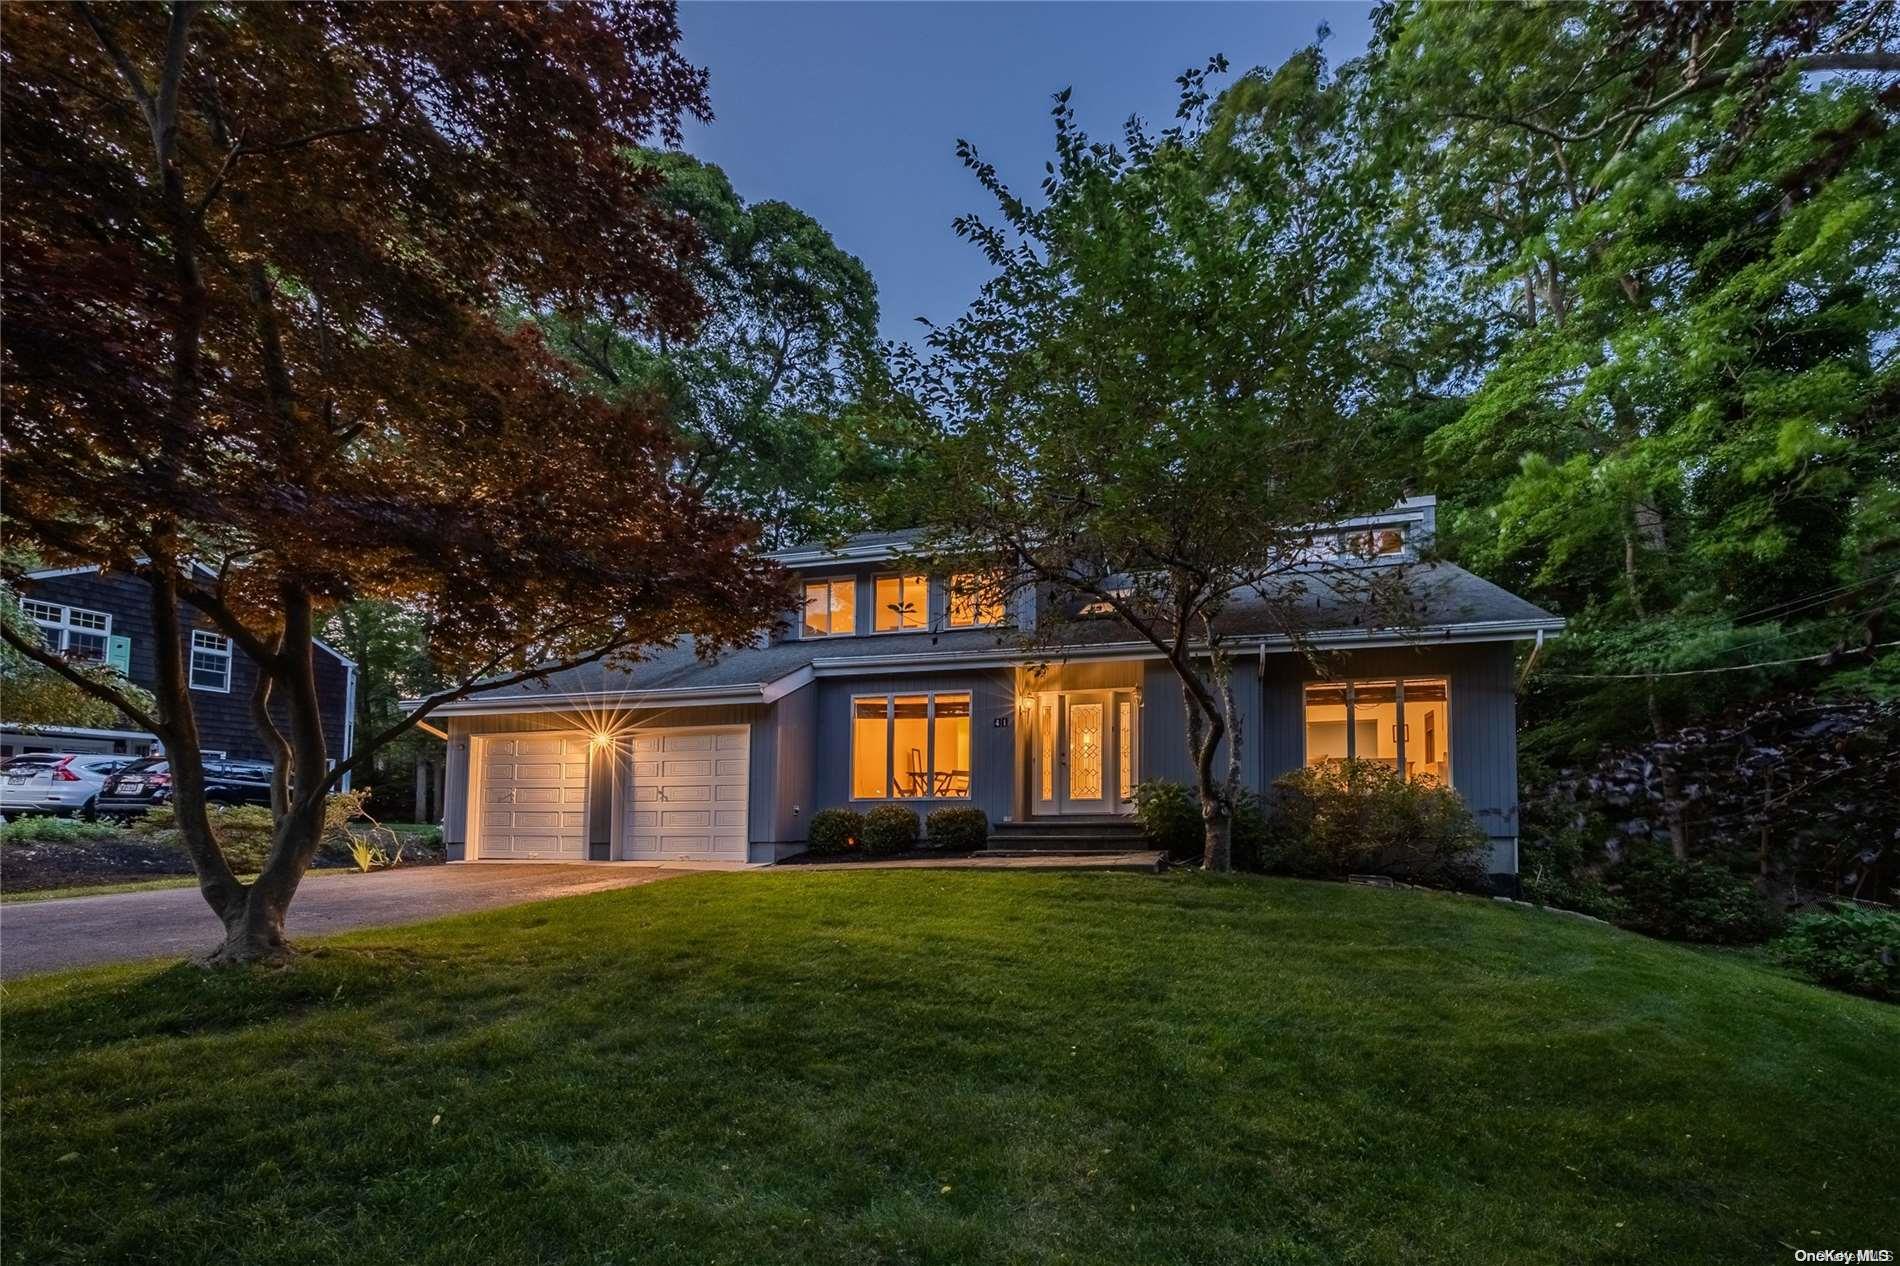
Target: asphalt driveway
175	922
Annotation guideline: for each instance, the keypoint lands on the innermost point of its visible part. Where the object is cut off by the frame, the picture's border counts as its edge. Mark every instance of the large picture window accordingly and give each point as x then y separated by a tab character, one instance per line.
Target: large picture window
910	747
831	608
903	602
1404	723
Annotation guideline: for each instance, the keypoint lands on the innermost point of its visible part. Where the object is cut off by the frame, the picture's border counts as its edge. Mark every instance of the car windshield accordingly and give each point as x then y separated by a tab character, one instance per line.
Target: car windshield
149	765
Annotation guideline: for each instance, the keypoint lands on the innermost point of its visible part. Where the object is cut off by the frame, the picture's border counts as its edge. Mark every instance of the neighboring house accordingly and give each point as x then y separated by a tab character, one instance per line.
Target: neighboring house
108	617
884	690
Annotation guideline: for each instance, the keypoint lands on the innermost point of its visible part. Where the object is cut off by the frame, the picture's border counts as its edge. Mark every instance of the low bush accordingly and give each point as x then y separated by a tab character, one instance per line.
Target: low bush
964	830
890	828
1852	948
835	831
244	831
1170	816
30	830
1692	901
1344	818
1584	894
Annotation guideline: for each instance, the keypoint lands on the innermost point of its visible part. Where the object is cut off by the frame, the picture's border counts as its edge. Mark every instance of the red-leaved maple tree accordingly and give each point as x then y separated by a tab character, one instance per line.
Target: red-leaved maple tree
265	267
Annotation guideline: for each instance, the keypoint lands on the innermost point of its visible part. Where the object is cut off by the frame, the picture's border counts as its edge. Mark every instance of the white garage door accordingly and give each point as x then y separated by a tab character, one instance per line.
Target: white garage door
534	797
687	795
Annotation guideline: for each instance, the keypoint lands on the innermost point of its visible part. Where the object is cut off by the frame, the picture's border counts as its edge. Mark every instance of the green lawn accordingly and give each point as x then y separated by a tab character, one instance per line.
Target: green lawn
919	1066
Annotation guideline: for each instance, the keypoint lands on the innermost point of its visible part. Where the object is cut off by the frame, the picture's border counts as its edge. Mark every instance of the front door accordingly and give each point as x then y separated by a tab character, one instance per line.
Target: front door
1077	761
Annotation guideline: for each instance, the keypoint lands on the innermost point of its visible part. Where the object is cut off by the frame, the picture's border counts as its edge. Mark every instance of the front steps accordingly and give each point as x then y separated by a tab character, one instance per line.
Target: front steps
1067	835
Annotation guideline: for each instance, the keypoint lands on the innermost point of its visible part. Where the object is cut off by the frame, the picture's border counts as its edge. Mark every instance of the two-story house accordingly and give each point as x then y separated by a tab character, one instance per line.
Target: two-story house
89	615
889	687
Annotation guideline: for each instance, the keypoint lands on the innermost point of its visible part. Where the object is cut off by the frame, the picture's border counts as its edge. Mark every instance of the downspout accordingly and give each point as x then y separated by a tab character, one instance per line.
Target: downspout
349	722
1532	661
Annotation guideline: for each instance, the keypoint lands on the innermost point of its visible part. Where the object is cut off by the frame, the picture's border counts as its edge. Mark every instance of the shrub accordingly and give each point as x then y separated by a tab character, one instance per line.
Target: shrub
890	828
965	830
1344	818
58	831
244	830
1852	948
1585	894
1170	816
835	831
1693	901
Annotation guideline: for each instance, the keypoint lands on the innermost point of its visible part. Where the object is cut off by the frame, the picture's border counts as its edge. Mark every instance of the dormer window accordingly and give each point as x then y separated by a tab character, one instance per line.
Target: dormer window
1379	542
975	601
902	603
831	608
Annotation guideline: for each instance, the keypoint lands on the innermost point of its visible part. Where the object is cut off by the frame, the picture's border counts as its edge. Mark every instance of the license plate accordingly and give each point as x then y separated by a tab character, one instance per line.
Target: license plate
131	786
16	782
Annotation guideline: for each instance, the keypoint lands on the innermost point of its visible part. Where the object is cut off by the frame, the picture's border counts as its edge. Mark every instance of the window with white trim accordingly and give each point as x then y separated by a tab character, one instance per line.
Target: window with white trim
902	603
831	608
71	631
1404	723
910	747
210	661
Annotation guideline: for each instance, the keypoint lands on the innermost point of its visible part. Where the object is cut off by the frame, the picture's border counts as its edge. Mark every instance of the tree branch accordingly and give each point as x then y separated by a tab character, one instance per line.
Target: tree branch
97	689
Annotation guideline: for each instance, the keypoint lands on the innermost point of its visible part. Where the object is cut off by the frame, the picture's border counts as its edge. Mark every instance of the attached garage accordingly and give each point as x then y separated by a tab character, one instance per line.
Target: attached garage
532	797
686	794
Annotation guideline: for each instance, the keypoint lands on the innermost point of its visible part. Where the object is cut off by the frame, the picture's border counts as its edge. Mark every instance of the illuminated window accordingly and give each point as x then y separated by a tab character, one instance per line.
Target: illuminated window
1404	724
974	601
910	747
831	608
1373	543
902	603
1125	748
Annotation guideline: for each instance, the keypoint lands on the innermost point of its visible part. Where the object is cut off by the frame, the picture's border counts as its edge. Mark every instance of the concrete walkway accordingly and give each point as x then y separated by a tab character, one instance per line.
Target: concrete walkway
41	936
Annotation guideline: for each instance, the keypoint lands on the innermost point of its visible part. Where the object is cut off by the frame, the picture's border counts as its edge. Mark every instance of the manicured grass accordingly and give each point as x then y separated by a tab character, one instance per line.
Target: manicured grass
919	1066
98	890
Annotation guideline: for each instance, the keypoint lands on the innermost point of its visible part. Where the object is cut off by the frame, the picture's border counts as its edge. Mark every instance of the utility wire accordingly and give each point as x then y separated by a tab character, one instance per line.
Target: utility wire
1697	672
1797	604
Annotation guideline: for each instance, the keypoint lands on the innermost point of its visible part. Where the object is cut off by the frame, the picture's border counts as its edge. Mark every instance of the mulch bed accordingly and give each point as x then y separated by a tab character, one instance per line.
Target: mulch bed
33	865
833	859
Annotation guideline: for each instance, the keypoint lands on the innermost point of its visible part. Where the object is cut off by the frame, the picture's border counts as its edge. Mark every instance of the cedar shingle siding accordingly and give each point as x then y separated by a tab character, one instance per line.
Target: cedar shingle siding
224	720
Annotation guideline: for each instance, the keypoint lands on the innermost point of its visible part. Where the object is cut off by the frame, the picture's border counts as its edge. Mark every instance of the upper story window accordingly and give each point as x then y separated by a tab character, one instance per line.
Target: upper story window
975	601
902	603
1380	542
72	631
831	607
210	661
1405	724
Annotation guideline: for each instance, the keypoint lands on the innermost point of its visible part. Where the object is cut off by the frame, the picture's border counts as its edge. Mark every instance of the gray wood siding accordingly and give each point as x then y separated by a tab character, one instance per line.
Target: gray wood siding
796	718
224	718
1164	748
992	744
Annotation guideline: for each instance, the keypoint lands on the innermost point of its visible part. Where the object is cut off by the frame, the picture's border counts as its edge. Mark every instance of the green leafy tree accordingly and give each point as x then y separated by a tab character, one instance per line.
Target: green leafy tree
769	397
1639	269
1155	395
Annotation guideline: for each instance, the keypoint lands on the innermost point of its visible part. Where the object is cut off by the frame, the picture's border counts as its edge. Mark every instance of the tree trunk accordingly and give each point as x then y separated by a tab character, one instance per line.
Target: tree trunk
1205	728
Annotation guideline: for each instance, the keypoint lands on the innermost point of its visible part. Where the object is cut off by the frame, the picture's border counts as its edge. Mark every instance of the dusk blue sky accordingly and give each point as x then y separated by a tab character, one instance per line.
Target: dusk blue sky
851	111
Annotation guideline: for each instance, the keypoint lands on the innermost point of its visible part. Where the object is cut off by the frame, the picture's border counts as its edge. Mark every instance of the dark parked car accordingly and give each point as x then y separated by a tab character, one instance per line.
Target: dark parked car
148	782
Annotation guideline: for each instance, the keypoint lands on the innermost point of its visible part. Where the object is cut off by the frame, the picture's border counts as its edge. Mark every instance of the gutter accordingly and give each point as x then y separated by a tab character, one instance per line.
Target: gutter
997	657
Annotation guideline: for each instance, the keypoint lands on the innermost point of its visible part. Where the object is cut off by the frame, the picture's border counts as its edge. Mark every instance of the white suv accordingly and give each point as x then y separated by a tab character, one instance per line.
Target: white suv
56	782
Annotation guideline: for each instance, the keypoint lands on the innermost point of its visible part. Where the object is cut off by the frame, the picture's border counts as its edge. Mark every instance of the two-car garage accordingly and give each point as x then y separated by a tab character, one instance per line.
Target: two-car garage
675	794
